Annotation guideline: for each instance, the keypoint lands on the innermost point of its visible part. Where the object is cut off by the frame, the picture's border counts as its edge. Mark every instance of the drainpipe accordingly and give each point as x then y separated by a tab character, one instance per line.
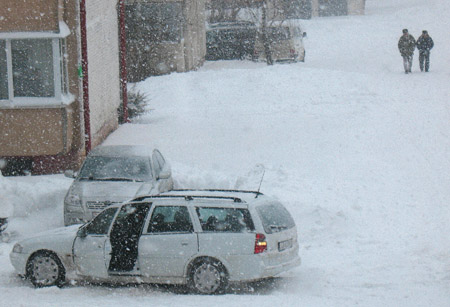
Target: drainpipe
123	60
84	67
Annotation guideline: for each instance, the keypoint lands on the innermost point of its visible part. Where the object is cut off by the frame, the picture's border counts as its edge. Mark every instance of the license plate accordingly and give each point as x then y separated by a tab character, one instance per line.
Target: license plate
283	245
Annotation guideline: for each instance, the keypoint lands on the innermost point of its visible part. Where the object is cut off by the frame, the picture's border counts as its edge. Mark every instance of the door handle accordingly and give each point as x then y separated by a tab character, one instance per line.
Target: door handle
184	244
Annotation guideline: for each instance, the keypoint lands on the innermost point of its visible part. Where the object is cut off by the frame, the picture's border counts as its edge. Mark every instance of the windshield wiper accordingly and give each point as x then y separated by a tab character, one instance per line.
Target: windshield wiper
111	179
278	227
117	179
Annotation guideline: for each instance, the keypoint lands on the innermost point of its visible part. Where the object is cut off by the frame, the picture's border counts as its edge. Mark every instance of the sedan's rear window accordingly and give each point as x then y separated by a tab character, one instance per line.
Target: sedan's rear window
275	217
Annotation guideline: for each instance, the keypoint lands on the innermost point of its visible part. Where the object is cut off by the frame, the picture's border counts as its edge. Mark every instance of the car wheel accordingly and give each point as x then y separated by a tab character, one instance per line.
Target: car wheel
208	277
45	269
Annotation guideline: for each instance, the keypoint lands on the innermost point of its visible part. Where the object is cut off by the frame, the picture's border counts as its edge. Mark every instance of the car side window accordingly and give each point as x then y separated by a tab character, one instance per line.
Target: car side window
158	162
170	219
101	223
225	219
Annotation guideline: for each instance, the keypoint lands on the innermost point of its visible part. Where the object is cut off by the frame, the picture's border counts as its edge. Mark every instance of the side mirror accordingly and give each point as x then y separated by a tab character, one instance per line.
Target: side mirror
70	174
82	233
304	34
164	174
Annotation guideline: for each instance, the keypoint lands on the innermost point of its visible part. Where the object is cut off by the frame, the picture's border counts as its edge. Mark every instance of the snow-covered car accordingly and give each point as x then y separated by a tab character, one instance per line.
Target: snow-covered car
285	43
206	239
230	40
114	174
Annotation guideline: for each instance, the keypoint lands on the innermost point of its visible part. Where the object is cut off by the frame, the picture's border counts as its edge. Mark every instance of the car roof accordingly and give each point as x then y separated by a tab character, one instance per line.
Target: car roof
122	151
230	25
235	196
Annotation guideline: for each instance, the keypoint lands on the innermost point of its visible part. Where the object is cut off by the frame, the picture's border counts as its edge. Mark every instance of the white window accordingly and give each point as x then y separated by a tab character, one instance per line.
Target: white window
32	68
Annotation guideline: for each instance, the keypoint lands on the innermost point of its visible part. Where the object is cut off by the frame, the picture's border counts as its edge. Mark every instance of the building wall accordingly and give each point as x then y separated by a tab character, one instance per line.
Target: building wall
28	15
103	67
44	131
146	58
195	34
354	7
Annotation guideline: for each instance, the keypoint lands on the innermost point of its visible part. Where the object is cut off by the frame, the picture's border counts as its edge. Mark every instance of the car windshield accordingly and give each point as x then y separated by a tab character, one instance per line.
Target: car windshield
116	169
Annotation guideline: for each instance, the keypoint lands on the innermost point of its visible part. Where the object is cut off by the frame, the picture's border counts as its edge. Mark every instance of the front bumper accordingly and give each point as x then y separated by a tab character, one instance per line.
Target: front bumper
19	262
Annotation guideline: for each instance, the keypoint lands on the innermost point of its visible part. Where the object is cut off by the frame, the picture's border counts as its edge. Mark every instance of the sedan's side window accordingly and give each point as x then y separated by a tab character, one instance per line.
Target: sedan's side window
225	219
170	219
101	223
158	162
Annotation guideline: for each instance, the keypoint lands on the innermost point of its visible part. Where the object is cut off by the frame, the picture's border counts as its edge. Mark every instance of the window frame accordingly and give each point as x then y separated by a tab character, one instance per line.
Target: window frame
59	67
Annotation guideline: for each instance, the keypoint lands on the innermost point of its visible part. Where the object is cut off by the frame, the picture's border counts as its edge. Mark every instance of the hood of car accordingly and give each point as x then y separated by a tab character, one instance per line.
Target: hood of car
59	240
115	191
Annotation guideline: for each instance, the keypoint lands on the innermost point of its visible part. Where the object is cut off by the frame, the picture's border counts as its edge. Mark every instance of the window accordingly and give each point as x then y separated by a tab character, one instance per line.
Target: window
225	219
32	68
275	217
158	162
3	72
100	224
116	169
170	219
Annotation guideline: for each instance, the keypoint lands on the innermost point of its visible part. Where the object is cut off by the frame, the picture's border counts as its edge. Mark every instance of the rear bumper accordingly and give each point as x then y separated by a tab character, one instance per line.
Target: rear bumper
256	267
272	271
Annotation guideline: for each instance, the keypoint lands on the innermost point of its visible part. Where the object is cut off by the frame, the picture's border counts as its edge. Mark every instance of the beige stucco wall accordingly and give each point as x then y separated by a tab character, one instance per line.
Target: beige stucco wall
36	132
103	67
28	15
44	129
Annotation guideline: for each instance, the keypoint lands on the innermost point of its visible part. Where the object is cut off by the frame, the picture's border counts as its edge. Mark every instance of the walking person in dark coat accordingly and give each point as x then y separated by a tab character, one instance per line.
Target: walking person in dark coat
424	44
406	46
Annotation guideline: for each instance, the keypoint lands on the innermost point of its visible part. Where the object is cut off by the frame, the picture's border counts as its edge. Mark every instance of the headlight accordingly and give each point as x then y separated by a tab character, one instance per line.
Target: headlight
73	202
17	248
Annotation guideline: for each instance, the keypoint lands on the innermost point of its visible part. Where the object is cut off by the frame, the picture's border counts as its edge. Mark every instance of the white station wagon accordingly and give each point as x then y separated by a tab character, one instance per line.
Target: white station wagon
203	238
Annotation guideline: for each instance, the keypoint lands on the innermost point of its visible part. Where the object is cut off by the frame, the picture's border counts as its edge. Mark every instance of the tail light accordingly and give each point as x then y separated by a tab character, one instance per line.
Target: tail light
260	243
292	51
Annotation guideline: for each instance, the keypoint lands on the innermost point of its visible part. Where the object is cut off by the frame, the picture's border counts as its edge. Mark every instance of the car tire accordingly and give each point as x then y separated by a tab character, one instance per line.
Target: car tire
208	276
44	269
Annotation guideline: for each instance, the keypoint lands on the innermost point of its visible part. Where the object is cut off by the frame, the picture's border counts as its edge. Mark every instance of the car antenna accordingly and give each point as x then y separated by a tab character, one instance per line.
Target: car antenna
262	177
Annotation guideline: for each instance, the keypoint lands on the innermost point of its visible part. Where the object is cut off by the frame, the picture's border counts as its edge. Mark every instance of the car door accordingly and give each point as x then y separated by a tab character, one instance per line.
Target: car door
168	243
90	253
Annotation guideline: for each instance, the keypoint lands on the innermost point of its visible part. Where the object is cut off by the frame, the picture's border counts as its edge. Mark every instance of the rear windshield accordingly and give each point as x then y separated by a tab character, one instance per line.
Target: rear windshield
275	217
278	33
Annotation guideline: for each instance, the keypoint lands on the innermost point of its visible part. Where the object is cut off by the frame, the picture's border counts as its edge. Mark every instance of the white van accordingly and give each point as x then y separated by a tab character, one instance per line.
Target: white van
285	41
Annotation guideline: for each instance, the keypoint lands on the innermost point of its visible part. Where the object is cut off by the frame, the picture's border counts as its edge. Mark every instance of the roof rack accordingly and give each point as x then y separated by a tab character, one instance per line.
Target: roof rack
218	190
187	197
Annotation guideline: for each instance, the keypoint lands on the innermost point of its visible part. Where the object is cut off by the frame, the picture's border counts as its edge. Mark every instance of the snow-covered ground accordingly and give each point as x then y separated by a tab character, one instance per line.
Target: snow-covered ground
358	151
